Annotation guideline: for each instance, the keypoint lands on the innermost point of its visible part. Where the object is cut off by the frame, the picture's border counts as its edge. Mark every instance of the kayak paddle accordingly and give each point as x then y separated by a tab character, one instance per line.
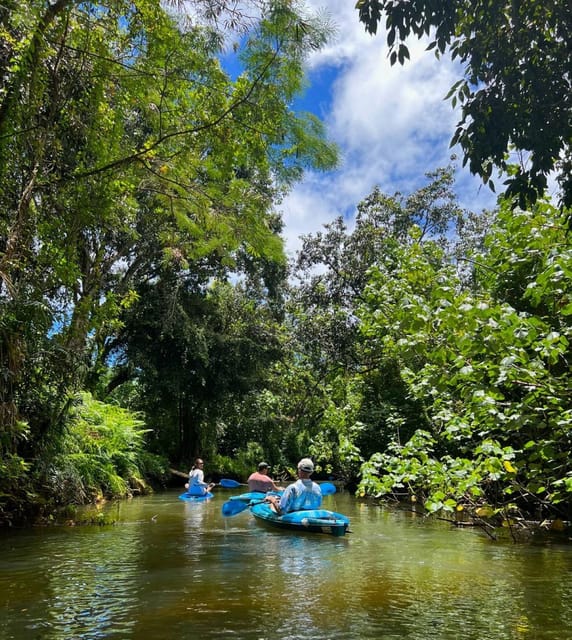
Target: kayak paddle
234	507
231	484
327	488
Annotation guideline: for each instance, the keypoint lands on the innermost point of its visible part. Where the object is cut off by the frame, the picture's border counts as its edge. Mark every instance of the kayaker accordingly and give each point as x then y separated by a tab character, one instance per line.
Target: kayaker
302	494
261	481
197	485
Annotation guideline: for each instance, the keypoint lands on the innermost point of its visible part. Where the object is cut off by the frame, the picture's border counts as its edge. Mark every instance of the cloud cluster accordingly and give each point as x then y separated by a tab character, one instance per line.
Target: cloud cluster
391	123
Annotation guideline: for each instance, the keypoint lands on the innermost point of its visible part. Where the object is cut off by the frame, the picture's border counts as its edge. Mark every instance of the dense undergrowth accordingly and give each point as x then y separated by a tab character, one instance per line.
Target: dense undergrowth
100	454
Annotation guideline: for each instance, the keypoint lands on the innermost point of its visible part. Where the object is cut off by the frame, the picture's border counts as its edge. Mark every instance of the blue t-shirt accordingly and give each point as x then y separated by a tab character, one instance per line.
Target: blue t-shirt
303	494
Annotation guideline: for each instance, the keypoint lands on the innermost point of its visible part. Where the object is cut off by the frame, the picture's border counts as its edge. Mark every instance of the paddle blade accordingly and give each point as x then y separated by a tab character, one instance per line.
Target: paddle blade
233	507
229	484
327	488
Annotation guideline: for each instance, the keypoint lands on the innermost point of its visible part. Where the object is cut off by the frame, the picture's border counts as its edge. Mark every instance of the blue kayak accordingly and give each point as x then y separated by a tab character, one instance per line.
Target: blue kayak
313	520
252	495
193	498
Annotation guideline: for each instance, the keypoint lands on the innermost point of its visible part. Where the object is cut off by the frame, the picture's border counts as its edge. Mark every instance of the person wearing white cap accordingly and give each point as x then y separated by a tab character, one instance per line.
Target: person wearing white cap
302	494
261	481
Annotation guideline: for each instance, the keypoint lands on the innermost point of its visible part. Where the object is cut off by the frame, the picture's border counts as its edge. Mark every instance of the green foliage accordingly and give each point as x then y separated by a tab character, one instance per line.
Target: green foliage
101	455
351	401
16	490
138	179
199	352
128	152
515	91
493	379
240	465
333	447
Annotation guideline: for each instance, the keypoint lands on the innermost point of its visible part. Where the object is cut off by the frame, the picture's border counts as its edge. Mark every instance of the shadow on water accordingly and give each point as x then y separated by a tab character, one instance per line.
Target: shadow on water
173	569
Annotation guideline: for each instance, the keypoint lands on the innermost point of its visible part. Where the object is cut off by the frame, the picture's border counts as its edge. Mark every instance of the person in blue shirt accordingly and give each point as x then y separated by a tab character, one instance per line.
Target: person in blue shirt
301	495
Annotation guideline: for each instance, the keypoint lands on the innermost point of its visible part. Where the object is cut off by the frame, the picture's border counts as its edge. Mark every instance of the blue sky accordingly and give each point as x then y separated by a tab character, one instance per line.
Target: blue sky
391	124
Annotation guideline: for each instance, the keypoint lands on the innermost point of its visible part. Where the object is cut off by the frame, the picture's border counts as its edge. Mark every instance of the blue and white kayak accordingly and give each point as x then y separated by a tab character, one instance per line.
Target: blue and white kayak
194	498
313	520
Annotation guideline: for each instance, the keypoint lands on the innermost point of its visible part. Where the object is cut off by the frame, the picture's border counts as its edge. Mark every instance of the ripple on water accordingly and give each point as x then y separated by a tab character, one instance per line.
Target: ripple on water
190	573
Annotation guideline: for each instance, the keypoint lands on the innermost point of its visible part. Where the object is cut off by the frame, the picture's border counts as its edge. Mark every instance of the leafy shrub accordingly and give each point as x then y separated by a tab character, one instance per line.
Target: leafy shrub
102	454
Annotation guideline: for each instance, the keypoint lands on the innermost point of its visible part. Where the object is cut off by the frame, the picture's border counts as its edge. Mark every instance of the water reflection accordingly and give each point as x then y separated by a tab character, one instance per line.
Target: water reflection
172	569
73	584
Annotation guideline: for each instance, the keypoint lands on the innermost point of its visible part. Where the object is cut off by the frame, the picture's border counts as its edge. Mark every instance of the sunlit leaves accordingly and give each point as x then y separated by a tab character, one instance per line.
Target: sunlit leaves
493	377
515	93
128	152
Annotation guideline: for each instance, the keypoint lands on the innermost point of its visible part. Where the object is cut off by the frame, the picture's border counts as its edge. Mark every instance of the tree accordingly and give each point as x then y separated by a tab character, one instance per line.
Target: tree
195	349
333	268
516	92
125	144
127	150
489	365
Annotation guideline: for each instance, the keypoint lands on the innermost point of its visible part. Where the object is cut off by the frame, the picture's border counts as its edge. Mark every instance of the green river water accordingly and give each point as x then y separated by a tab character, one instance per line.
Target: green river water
175	570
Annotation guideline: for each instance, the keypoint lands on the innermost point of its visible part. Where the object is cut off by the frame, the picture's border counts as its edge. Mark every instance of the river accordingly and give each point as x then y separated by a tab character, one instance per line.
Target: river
169	569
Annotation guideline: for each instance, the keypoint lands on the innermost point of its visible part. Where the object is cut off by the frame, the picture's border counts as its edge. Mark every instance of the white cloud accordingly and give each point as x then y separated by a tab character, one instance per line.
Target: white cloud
391	124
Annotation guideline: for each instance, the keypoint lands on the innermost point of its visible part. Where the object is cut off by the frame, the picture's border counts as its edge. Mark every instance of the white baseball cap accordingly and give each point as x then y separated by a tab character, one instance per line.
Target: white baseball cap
306	465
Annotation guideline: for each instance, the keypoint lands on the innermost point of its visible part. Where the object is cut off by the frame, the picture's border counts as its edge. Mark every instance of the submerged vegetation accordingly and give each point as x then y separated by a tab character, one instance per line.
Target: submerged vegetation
148	313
